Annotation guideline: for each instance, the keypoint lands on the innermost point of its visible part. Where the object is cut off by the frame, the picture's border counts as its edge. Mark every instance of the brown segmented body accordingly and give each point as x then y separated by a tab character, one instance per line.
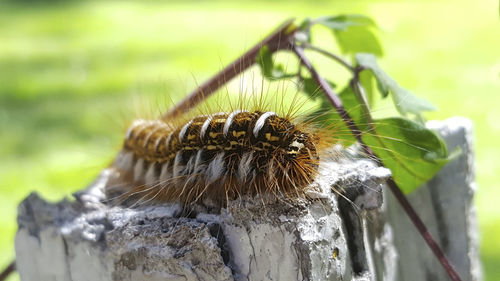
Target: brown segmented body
218	156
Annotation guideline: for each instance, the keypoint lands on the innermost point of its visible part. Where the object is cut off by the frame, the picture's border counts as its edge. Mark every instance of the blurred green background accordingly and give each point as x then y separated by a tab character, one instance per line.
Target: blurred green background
72	73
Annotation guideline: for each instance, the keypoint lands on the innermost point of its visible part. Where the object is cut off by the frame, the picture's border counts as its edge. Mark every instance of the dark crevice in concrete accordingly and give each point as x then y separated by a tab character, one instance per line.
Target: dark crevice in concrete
442	227
354	233
67	254
217	232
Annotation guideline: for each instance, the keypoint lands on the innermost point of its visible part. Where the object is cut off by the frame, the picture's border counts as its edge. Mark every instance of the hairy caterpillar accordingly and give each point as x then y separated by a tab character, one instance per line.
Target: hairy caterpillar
219	156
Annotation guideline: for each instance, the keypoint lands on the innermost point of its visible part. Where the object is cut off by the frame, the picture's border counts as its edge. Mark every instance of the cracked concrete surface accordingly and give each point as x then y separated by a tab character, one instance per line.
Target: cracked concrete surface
262	238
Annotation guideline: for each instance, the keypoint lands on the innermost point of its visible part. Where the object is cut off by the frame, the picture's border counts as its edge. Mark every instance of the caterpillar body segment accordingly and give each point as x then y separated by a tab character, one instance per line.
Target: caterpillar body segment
218	156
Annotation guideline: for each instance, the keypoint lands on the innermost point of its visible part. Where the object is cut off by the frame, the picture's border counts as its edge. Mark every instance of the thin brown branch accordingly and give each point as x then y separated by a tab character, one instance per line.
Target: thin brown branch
419	224
331	96
8	270
331	55
277	40
410	211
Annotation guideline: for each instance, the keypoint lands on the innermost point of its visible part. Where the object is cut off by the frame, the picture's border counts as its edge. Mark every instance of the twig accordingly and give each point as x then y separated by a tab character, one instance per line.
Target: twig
277	40
332	97
410	211
333	56
8	270
358	91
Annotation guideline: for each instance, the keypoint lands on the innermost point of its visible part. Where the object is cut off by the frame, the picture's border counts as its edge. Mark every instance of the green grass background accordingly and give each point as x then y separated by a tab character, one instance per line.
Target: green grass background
71	73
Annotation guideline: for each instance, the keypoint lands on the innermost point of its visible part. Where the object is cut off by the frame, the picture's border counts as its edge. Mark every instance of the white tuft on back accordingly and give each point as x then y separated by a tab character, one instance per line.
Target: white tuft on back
139	170
184	129
215	168
178	168
151	177
244	166
261	122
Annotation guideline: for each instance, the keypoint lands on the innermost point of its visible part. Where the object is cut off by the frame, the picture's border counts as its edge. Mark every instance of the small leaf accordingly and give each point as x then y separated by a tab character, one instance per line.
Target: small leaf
269	70
311	88
327	115
353	33
352	106
358	39
342	22
305	24
265	61
411	151
366	79
404	100
384	81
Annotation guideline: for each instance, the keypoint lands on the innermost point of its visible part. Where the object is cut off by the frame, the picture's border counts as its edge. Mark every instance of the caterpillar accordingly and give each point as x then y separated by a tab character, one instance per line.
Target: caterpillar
219	156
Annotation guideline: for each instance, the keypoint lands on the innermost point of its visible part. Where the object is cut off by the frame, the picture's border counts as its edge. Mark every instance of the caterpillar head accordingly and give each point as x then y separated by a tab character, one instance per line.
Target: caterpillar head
303	146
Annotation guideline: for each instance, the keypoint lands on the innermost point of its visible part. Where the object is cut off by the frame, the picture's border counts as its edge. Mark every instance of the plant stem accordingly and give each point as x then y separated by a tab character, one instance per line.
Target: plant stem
358	91
277	40
333	56
8	270
410	211
331	96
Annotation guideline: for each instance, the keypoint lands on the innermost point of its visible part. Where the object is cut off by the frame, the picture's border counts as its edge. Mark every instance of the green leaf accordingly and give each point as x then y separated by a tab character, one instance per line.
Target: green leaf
305	24
352	106
404	100
366	79
311	88
358	39
269	69
327	115
412	152
342	22
354	33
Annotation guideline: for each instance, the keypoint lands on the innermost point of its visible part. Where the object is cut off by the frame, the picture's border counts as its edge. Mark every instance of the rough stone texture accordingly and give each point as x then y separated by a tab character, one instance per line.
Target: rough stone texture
325	238
63	241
